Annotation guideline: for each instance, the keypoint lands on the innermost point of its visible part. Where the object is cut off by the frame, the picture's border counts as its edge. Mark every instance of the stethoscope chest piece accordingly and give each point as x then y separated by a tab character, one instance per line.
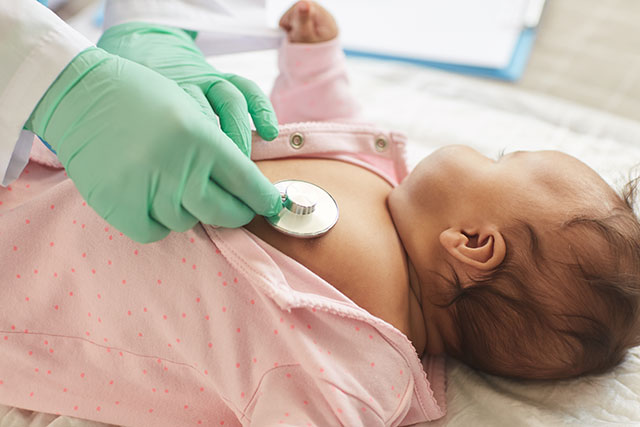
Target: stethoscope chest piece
308	210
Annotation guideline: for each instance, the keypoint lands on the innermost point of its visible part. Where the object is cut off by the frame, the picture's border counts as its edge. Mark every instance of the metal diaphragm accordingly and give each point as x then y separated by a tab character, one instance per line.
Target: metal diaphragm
308	210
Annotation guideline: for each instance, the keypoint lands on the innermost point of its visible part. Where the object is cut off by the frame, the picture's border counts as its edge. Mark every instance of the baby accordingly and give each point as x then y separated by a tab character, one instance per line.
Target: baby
525	267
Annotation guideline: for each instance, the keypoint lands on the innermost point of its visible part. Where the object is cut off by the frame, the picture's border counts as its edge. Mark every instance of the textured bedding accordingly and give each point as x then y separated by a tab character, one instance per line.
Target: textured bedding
436	109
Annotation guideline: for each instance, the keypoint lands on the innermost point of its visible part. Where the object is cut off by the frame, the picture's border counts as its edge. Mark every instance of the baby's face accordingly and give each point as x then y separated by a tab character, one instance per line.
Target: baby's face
458	184
458	187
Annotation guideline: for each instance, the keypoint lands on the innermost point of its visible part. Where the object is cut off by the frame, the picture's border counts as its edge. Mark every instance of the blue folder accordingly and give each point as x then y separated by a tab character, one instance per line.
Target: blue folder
512	72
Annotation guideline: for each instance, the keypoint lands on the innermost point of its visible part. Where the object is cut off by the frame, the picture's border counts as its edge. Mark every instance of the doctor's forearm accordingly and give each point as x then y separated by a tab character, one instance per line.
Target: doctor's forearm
223	26
188	14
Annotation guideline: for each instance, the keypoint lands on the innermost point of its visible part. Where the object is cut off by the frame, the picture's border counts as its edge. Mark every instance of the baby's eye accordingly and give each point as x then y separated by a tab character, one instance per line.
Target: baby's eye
500	154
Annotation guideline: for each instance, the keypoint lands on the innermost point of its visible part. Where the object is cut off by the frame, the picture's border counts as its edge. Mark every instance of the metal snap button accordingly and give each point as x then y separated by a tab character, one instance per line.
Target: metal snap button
381	143
296	140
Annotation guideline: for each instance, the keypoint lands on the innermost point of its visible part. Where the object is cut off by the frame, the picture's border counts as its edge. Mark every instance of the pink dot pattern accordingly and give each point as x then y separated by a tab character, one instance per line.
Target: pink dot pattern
118	348
207	327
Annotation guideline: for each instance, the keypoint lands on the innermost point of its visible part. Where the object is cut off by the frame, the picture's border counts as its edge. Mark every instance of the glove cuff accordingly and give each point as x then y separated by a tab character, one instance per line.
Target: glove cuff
122	39
42	119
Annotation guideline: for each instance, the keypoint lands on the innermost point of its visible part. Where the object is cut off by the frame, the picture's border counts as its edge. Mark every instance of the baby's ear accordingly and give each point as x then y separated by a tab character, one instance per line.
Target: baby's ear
481	248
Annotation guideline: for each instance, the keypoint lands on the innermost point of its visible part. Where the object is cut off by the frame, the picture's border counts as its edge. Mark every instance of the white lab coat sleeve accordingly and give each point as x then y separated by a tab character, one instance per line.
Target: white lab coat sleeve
223	26
35	46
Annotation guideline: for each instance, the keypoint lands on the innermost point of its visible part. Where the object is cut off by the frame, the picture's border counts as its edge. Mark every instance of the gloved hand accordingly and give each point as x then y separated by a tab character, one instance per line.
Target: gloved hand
142	152
173	53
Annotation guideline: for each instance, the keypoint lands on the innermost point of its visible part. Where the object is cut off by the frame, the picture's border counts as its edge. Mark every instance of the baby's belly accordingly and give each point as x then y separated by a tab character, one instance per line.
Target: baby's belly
362	255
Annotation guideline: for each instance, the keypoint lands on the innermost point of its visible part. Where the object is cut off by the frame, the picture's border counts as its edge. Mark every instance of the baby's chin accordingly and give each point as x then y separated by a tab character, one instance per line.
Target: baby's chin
394	204
392	196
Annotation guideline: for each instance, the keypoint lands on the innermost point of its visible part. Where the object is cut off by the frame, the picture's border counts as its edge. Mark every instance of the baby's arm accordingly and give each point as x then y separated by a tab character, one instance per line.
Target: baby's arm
313	83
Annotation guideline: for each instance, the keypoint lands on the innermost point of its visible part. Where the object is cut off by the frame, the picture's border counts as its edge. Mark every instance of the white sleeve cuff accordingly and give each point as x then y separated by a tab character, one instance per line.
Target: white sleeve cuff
19	157
36	47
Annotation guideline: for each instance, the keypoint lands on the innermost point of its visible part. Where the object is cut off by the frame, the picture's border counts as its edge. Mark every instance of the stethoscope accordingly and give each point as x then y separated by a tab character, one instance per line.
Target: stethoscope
307	210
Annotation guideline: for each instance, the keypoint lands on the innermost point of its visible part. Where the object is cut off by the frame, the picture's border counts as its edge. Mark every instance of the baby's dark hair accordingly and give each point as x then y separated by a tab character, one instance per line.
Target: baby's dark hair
580	315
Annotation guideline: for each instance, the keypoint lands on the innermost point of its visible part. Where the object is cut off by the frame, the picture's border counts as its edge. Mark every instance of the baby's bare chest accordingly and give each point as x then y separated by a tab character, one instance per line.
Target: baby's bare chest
362	255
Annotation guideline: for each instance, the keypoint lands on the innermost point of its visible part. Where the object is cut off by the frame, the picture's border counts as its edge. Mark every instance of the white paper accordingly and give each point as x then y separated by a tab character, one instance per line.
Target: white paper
480	33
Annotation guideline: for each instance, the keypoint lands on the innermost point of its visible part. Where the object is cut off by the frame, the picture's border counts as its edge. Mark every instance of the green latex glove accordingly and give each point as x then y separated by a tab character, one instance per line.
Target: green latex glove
173	53
142	152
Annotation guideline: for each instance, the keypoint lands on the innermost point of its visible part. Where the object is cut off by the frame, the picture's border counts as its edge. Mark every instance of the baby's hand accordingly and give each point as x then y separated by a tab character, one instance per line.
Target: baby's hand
308	22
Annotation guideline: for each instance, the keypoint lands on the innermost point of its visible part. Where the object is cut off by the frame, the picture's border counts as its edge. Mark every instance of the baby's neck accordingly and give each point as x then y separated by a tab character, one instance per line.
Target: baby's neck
423	316
417	333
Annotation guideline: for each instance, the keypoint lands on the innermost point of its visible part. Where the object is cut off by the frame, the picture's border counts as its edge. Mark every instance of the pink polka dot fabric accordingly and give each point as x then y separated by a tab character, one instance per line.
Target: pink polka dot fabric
209	327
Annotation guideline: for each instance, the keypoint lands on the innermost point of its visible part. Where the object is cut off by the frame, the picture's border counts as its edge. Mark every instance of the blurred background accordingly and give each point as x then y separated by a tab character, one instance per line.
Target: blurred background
585	51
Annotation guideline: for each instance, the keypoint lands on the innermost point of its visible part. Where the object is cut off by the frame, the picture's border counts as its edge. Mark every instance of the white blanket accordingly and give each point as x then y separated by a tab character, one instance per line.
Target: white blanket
436	109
